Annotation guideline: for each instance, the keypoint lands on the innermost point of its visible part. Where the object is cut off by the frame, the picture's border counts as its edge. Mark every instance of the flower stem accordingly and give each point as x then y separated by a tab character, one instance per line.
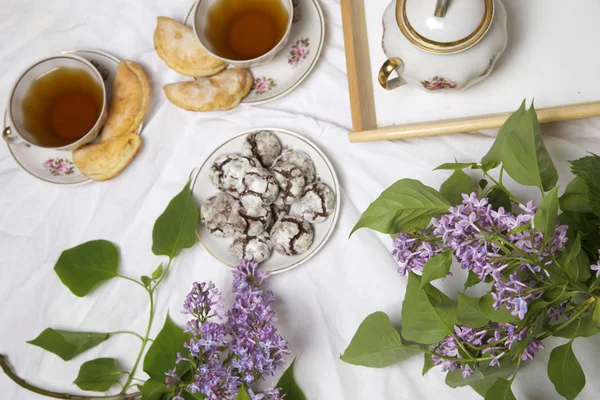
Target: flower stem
32	388
127	333
575	317
146	338
131	279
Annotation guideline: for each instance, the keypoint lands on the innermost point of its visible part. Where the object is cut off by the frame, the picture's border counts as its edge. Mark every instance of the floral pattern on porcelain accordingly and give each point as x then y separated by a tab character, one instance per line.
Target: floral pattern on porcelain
439	83
104	72
263	85
300	50
297	12
59	166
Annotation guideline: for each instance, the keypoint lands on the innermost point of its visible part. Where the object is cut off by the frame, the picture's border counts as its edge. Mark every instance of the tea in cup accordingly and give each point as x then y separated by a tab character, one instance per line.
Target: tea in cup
243	33
58	103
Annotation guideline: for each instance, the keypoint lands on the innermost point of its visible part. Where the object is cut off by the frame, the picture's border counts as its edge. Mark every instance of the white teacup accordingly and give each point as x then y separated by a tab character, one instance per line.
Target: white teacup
17	132
200	20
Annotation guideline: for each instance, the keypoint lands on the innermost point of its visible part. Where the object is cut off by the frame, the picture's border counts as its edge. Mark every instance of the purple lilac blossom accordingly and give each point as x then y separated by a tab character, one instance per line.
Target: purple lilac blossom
239	351
596	267
471	230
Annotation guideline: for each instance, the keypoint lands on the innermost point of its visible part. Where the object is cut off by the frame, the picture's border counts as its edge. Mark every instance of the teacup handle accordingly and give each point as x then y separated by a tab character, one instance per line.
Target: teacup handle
389	66
10	138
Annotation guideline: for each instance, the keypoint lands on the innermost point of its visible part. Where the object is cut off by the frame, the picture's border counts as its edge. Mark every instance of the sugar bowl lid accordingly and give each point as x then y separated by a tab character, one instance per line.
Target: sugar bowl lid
444	26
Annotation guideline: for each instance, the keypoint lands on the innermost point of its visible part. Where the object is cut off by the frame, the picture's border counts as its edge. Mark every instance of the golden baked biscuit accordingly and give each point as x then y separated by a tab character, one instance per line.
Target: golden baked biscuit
105	160
177	46
129	101
223	91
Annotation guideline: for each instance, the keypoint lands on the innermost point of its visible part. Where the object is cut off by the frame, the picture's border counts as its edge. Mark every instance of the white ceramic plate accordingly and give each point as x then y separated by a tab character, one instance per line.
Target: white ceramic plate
203	189
296	61
56	166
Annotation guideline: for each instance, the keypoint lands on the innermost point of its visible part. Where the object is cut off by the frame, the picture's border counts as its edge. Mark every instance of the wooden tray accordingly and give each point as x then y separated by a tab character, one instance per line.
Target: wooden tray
360	60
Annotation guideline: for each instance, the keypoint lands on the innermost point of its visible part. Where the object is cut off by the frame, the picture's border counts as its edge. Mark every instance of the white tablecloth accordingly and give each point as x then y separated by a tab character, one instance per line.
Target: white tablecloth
320	304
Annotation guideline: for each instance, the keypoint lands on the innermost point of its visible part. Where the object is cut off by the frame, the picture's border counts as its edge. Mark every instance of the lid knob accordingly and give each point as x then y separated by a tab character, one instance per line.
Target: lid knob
441	8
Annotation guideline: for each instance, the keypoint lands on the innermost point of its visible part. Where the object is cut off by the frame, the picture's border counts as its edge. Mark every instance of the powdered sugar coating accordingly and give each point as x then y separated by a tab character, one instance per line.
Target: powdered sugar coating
257	188
315	204
262	145
227	170
252	248
301	160
252	221
291	181
291	236
217	215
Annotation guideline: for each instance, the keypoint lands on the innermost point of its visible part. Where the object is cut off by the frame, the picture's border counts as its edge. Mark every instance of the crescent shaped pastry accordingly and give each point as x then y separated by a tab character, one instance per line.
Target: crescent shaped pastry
179	48
105	160
223	91
129	101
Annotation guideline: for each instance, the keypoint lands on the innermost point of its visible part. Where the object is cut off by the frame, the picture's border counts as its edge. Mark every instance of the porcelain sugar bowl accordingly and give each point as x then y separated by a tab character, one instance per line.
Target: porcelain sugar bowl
441	45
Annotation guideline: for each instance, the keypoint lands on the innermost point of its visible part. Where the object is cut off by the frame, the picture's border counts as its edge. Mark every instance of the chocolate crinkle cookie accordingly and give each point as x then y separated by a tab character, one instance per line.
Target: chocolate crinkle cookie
315	204
217	215
227	170
253	221
252	248
257	188
279	208
262	145
301	160
291	236
290	179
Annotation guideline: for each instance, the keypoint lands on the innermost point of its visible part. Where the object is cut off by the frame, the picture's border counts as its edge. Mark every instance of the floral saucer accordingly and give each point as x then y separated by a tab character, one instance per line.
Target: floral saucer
56	166
292	65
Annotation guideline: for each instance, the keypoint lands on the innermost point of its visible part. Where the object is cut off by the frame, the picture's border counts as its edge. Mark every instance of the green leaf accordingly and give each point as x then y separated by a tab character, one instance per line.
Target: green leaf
157	273
437	267
468	312
514	123
524	155
455	166
162	354
565	372
404	206
498	198
175	229
500	391
587	169
153	390
482	379
427	363
501	315
455	186
583	327
428	315
576	197
98	375
483	184
67	344
574	262
376	344
545	217
146	281
288	385
86	266
242	395
596	314
472	280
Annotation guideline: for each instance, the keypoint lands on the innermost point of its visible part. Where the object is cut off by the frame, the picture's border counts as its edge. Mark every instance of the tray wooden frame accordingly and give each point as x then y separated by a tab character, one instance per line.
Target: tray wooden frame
362	102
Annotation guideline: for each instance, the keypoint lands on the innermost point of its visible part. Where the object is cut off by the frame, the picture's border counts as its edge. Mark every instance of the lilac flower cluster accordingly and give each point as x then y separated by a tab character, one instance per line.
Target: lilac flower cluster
493	340
499	247
237	352
483	241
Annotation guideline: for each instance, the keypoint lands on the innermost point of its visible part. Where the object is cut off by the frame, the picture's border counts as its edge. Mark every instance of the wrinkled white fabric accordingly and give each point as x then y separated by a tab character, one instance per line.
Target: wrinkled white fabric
320	304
